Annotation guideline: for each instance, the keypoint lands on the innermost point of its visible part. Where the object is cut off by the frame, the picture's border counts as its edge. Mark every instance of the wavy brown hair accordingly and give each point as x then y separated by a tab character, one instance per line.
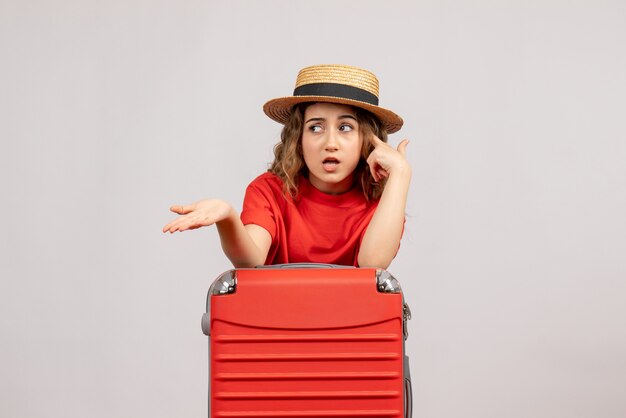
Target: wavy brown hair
289	160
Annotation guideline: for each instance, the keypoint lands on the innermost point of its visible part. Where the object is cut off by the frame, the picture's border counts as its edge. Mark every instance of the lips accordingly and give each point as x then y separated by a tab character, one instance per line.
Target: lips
330	164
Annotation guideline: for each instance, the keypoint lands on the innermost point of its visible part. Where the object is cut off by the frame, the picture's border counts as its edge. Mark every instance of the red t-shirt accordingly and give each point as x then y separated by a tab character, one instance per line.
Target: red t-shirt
315	227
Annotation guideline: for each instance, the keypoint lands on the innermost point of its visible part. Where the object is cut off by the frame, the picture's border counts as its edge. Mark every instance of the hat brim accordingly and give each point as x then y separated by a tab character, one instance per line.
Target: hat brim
279	109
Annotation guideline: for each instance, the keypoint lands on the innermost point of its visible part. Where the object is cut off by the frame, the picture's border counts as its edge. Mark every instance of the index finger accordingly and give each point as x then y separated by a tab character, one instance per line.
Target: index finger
376	141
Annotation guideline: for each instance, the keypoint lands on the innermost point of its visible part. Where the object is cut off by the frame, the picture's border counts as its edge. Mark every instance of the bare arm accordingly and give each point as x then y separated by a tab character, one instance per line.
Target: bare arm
382	236
245	246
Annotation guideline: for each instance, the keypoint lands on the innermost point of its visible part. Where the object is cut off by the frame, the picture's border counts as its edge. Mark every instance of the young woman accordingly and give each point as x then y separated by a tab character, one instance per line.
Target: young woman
336	191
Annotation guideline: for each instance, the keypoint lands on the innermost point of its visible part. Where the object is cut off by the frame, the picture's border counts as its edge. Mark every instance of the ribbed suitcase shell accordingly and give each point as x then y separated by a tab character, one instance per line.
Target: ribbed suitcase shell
306	343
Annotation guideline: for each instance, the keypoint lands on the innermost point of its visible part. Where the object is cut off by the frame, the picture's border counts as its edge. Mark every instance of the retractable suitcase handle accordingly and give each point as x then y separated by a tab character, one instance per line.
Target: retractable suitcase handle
304	266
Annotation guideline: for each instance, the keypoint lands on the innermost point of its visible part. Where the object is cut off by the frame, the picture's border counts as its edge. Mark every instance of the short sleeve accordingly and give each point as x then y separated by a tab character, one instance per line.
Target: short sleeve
258	208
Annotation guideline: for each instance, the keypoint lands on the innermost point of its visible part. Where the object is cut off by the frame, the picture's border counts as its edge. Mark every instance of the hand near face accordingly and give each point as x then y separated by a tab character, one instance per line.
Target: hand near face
202	213
385	160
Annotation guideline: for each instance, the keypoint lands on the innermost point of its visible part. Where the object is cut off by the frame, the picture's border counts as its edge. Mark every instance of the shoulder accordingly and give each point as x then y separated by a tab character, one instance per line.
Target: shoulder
267	186
267	181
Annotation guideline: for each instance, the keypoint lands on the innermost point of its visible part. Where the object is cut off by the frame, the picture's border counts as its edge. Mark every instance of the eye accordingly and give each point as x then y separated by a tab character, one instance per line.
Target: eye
346	127
315	128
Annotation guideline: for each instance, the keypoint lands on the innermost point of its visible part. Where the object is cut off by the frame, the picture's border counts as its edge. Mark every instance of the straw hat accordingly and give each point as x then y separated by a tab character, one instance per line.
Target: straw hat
334	84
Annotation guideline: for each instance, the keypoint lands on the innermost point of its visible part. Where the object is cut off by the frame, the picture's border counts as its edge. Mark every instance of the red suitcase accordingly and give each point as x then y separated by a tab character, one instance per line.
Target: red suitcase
307	341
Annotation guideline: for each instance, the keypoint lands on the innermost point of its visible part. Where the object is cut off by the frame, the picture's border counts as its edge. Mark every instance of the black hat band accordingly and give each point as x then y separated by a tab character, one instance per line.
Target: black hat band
336	90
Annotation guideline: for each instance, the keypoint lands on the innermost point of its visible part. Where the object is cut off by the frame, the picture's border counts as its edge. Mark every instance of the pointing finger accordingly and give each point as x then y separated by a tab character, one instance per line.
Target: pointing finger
376	141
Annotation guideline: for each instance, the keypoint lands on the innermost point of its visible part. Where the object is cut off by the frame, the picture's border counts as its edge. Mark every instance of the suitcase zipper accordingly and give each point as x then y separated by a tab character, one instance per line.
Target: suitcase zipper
406	315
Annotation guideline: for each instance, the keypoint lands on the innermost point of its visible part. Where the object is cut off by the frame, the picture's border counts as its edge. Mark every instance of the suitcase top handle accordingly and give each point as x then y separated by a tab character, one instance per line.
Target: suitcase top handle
304	266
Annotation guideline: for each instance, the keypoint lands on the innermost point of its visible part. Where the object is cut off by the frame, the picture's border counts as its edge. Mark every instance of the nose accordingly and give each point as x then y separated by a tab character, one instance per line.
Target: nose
331	142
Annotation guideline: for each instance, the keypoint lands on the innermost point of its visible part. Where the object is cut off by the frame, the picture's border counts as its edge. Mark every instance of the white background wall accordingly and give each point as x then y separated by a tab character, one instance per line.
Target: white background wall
513	256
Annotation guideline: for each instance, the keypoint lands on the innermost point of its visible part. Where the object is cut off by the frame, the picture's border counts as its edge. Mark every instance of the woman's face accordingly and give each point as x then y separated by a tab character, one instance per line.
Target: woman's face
331	144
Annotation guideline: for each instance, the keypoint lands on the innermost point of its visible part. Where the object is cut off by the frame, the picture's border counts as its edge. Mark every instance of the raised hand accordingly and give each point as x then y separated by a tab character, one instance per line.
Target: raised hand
384	160
202	213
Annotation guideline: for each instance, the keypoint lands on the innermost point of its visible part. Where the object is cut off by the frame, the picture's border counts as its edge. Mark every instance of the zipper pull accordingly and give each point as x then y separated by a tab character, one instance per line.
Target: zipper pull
406	315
